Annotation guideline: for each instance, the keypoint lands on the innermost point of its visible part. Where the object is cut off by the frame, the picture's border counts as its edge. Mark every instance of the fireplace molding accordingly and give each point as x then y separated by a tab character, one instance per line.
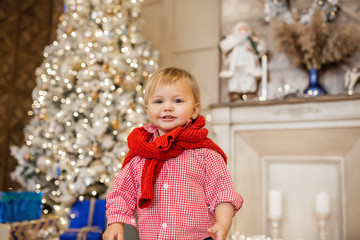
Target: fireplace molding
253	134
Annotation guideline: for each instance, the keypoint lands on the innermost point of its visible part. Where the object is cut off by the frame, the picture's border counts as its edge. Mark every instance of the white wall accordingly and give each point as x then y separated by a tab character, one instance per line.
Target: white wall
186	32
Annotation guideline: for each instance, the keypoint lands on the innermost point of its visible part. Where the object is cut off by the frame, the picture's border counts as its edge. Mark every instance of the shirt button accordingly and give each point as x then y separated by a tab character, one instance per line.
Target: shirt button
164	225
166	186
132	220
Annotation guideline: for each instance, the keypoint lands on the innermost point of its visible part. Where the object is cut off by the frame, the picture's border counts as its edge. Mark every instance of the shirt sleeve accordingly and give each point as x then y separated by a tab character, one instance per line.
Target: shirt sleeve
218	184
121	201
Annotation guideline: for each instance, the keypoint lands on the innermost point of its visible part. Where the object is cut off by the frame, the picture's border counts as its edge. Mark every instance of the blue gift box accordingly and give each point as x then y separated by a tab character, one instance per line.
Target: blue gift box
20	206
88	217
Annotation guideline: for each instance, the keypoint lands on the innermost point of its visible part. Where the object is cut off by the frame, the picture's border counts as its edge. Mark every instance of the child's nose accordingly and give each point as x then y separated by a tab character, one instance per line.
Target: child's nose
169	106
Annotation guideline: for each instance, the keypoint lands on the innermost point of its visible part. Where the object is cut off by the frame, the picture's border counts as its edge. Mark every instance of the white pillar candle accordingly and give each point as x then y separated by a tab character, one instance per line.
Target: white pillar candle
322	203
275	204
264	67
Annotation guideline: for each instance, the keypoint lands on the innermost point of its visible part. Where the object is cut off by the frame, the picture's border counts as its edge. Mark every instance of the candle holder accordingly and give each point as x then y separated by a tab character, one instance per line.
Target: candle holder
322	222
275	212
322	208
275	225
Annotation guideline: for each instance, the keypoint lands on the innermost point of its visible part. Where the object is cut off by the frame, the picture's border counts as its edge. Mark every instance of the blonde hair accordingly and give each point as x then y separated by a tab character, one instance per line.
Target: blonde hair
170	75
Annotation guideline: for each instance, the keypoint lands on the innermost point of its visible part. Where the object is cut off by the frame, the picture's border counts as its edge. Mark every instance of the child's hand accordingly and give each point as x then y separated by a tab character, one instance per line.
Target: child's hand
224	213
114	231
218	232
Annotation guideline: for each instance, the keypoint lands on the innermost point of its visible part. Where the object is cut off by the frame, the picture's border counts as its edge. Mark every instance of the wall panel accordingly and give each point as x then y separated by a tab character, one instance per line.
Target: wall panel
26	27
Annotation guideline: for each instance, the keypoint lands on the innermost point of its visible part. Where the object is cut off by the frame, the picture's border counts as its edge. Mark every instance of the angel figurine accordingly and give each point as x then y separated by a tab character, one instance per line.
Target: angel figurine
351	77
243	51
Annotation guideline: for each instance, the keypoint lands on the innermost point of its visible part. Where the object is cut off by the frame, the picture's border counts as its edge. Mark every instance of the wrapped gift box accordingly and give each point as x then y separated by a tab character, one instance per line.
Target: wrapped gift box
40	229
20	206
89	221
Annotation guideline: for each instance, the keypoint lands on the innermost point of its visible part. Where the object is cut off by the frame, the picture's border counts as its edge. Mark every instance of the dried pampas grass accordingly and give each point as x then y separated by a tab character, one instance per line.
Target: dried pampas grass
316	44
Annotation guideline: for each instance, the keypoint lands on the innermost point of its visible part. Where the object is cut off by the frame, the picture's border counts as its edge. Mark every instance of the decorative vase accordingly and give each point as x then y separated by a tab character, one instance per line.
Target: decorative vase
314	88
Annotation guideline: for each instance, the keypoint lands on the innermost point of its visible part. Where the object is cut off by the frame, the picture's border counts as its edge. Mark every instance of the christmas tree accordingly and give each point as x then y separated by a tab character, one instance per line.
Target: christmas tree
89	96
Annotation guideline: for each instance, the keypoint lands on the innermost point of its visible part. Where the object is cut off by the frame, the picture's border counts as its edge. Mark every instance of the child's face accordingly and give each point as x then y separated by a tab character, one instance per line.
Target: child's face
171	106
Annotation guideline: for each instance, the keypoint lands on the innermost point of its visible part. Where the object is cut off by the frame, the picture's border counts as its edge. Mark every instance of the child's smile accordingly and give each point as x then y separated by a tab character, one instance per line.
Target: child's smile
168	118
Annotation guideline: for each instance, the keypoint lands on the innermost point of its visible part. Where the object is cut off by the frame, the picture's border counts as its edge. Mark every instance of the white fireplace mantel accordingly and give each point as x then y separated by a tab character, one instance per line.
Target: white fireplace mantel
271	143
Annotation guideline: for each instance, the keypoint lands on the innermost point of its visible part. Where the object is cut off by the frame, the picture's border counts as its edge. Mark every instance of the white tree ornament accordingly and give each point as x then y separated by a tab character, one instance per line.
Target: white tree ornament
351	77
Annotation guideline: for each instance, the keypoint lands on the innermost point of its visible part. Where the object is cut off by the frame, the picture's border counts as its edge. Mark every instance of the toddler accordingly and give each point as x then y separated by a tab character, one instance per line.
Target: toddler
173	176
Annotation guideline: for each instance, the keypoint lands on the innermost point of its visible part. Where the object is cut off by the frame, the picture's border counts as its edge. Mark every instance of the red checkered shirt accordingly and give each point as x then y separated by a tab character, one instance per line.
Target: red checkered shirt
186	193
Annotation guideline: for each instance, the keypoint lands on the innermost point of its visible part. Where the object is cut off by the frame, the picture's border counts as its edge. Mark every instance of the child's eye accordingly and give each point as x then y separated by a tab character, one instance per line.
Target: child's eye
158	101
178	101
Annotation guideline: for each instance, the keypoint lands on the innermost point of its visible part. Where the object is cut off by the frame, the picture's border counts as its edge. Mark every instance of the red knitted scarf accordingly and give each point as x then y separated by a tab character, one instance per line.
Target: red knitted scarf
164	147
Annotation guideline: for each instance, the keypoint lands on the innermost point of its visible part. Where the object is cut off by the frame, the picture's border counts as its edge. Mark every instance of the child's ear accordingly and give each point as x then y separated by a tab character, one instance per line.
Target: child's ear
196	110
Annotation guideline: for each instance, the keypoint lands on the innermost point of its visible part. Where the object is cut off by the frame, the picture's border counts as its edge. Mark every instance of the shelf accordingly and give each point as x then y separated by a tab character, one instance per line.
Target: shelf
324	98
